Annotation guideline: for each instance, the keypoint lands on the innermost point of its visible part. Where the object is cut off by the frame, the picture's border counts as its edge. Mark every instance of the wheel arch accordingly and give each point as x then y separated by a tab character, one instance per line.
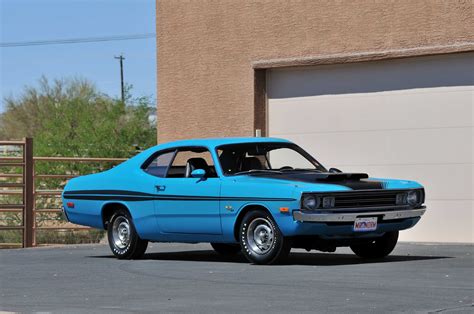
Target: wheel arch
108	209
243	211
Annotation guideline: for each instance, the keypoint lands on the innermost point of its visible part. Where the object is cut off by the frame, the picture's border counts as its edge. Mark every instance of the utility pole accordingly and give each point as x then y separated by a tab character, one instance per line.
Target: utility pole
121	58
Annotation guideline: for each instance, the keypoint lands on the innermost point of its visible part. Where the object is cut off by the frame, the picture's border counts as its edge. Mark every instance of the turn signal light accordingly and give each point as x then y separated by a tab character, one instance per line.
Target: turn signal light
284	210
70	204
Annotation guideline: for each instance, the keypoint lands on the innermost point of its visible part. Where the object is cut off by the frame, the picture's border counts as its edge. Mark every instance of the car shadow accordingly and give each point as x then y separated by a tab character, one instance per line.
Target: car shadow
295	258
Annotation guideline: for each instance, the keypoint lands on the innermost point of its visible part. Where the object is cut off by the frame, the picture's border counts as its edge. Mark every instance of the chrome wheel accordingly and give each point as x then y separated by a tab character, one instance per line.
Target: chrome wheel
260	236
122	236
121	232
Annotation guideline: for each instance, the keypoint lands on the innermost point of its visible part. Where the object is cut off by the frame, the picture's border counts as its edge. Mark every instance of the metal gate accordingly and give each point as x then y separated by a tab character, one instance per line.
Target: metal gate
17	180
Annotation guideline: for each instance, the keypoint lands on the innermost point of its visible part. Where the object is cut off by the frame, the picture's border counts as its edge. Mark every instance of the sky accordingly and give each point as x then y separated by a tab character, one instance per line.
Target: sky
36	20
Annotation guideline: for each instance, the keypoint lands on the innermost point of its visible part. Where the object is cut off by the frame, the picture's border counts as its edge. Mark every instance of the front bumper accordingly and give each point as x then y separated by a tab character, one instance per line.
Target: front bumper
305	216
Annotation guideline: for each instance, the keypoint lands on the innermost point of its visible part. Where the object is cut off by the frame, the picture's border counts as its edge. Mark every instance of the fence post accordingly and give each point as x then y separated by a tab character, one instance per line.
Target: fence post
28	215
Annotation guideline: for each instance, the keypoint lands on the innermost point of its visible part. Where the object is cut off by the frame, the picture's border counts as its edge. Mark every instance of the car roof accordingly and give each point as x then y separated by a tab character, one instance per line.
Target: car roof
214	142
210	143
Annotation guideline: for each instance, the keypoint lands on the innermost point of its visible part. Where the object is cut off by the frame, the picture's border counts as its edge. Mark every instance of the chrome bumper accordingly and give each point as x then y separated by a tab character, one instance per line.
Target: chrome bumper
350	217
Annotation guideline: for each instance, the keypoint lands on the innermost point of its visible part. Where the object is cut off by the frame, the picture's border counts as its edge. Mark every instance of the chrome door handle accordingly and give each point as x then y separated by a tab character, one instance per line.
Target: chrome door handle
160	187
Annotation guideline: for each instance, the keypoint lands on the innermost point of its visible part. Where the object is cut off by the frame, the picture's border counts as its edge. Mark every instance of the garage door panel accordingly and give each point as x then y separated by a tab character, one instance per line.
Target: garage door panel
389	147
378	111
409	118
441	182
444	221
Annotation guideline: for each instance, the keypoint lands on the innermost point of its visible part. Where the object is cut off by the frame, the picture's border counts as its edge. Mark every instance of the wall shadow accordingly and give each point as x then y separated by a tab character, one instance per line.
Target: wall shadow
369	77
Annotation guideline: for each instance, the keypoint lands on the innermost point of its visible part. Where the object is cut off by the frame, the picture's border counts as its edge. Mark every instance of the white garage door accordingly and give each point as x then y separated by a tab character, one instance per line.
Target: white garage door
407	118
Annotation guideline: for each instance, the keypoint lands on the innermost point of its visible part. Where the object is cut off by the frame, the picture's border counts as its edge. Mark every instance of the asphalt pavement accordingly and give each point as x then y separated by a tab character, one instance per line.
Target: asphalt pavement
416	278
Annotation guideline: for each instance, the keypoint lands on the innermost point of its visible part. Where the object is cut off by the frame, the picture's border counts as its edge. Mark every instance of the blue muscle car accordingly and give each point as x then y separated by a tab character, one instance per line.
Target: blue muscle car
258	196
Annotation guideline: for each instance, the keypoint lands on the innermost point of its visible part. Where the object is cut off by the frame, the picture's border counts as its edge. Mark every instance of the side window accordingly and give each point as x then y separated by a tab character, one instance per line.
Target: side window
159	165
187	160
236	161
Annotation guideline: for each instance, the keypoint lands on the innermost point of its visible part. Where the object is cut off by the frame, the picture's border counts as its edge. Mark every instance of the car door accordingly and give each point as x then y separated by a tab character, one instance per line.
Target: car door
188	205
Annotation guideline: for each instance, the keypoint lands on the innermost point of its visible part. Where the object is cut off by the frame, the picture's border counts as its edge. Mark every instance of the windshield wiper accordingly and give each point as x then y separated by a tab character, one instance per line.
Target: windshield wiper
252	171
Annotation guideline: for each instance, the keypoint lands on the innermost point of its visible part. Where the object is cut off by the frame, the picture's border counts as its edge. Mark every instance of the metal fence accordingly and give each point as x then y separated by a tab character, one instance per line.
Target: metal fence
20	168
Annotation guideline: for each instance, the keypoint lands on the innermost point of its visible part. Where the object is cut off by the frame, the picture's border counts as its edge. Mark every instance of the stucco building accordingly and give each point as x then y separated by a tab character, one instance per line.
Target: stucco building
384	87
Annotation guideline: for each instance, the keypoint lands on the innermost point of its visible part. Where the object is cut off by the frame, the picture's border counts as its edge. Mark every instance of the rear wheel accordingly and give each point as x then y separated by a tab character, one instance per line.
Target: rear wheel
226	249
123	238
376	248
261	240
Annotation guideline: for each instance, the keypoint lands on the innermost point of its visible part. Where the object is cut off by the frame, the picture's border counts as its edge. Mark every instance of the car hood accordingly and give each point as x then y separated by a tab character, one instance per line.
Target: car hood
315	181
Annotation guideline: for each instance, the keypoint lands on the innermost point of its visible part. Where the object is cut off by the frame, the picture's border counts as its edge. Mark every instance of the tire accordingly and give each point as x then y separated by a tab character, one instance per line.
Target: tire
261	239
123	238
376	248
226	249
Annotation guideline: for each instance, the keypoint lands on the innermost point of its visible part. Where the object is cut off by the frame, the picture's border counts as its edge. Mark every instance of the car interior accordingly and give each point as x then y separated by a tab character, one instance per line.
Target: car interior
183	164
233	159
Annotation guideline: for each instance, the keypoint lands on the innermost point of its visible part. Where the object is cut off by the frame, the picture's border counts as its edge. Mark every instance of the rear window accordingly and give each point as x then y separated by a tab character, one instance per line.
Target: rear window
160	164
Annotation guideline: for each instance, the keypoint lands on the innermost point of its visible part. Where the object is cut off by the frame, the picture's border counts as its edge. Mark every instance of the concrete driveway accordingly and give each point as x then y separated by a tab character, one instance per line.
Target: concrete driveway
192	278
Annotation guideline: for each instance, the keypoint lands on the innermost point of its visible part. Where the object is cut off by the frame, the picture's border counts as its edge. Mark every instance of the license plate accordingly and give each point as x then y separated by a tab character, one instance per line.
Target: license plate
365	224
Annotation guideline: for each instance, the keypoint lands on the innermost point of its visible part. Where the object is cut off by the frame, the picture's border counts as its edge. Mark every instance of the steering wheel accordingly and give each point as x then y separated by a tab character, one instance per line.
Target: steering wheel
286	168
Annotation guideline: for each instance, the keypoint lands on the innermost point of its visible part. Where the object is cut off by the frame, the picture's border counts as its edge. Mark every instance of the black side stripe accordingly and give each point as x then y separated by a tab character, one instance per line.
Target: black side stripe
113	192
140	196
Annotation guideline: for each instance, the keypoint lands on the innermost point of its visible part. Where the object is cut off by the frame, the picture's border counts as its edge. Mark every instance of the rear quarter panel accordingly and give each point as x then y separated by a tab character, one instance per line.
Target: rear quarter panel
105	188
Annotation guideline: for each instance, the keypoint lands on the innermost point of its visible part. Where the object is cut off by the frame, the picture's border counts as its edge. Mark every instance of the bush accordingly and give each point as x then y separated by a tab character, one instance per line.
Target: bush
71	118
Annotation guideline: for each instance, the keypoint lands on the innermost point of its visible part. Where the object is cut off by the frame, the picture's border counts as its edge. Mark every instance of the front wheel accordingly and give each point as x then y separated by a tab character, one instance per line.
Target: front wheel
376	248
123	238
261	240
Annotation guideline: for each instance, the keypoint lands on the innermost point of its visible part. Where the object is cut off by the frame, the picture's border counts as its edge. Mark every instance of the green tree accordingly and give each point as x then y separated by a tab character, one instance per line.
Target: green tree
70	117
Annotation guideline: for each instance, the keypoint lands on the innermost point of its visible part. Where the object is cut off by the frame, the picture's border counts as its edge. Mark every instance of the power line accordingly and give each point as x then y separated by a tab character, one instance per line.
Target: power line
76	40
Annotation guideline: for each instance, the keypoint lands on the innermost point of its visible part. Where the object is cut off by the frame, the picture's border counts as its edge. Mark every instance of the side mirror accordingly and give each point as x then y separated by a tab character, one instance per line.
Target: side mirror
335	170
198	173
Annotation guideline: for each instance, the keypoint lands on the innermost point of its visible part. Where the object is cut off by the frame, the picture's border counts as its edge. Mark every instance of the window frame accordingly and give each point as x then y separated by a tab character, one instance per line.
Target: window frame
153	156
176	150
294	146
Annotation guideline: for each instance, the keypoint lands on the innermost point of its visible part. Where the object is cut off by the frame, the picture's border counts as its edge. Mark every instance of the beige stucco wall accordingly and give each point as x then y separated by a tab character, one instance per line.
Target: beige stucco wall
206	49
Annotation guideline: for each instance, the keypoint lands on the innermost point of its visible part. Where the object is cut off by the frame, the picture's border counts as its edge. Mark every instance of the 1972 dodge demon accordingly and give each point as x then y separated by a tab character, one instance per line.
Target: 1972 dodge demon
258	196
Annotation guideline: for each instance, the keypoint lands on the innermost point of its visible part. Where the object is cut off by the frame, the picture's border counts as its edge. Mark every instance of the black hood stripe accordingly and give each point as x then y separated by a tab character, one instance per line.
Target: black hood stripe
362	184
354	181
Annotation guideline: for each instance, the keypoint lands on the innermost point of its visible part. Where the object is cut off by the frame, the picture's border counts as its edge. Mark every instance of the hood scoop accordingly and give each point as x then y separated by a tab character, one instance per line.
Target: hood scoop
353	181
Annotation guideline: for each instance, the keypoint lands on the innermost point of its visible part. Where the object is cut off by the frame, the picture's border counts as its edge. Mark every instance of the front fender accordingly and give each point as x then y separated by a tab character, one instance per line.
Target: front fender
238	197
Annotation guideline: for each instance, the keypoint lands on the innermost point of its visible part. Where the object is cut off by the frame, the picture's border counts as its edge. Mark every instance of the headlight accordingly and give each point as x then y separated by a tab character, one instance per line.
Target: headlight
310	202
413	198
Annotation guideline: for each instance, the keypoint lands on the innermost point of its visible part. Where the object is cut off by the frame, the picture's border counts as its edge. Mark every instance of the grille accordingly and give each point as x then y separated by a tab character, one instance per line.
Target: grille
364	199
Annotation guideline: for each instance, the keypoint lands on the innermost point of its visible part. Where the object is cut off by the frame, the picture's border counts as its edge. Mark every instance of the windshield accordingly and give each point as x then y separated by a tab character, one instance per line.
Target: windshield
265	157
